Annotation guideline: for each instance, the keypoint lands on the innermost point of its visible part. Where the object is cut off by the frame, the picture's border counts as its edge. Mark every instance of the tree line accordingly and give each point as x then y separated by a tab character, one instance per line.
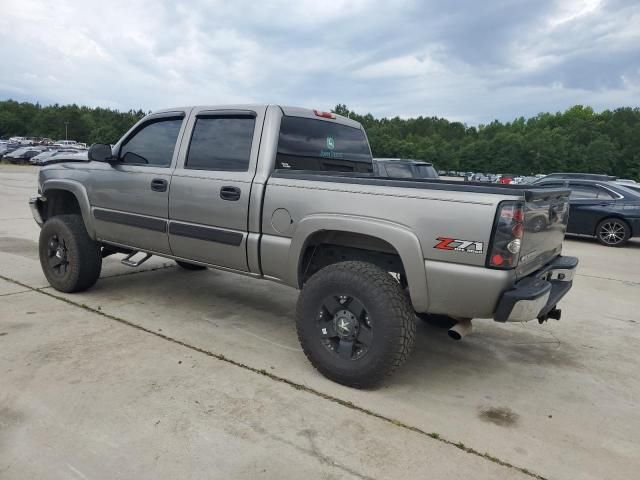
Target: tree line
576	140
83	124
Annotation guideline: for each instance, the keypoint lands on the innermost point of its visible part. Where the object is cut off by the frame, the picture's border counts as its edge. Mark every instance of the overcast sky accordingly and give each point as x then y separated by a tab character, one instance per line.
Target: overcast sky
465	60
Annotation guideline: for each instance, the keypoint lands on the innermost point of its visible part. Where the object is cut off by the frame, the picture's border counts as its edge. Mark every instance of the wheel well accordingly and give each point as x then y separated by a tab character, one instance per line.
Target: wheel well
332	246
59	202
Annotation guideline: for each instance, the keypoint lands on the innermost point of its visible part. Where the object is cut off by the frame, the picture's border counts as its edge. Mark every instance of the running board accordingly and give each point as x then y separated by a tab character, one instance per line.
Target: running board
134	263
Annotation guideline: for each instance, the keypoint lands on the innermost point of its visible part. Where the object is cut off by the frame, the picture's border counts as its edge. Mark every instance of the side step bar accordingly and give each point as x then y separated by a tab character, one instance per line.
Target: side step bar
135	263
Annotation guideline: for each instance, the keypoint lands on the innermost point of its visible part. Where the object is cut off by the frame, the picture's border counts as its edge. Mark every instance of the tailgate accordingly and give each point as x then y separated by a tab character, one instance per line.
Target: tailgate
546	214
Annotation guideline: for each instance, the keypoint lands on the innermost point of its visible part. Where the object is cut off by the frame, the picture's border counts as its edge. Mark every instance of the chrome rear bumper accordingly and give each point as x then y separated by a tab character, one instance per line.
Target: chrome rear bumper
537	294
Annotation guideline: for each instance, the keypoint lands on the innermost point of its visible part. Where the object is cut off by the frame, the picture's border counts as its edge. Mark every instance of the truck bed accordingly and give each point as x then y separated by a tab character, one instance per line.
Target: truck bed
529	192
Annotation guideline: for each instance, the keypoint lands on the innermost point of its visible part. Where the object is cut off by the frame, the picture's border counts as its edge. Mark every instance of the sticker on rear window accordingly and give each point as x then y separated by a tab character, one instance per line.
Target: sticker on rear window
331	143
458	245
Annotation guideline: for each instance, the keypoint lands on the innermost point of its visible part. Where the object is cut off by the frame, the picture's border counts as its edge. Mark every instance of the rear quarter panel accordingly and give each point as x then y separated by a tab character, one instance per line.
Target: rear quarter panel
426	216
430	214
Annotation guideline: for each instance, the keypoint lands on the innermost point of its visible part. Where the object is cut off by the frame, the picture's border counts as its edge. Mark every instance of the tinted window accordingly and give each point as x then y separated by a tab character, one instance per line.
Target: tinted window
605	195
221	143
153	144
426	171
586	191
308	144
398	170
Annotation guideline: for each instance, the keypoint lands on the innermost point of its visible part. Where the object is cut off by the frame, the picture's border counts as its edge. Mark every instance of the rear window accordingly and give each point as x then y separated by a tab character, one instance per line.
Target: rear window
400	170
221	143
426	171
317	145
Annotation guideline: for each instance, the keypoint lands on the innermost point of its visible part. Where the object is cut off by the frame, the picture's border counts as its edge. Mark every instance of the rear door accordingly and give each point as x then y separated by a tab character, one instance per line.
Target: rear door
588	204
210	188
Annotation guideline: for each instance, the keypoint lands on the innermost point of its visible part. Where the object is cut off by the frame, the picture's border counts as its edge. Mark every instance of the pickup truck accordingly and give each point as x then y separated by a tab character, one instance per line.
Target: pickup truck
288	194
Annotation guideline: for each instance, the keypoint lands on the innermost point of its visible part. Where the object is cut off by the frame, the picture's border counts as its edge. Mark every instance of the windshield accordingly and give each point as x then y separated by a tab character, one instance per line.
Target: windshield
318	145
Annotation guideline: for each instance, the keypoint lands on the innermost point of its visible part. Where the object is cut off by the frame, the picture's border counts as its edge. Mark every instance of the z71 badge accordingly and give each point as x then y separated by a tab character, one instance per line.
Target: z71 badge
457	245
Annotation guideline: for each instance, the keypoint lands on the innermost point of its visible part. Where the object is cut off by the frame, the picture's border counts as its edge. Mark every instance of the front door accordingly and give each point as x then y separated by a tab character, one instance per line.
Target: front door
130	197
209	199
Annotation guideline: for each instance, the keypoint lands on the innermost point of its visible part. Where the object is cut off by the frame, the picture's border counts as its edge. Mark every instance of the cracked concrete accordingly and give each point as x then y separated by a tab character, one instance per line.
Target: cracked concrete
559	401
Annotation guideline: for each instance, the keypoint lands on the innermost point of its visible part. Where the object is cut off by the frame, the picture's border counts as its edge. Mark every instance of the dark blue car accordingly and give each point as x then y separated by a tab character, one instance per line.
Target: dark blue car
606	210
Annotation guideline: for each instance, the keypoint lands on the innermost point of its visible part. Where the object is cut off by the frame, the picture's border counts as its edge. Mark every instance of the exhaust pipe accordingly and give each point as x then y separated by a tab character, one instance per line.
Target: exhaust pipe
460	329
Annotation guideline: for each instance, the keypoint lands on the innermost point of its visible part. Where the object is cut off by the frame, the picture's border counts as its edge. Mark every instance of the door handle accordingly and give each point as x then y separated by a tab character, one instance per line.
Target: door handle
159	185
230	193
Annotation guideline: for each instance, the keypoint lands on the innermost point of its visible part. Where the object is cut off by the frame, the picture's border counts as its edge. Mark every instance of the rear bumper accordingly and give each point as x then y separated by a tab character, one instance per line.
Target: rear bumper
635	226
537	294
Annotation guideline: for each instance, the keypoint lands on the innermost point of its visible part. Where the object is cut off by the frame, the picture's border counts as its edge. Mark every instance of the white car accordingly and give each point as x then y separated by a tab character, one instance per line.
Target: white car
65	143
20	140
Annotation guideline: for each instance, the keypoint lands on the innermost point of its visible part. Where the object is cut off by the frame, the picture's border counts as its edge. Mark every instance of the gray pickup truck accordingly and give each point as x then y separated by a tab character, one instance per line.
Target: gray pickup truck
288	194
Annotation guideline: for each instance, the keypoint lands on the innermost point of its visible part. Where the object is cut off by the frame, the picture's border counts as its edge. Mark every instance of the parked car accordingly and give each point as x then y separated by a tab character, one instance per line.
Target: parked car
50	155
631	186
527	180
20	140
7	148
606	210
580	176
65	143
506	179
286	194
22	155
403	168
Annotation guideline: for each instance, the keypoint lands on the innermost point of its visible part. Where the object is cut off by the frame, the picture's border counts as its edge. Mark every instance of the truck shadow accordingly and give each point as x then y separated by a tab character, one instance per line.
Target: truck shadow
220	311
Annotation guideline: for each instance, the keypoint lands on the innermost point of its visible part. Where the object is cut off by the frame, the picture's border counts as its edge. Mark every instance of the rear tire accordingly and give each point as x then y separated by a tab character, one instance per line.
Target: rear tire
70	259
190	266
613	232
355	323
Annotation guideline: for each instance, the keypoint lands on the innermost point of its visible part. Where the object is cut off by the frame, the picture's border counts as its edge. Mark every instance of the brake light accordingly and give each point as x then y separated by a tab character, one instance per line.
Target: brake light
507	236
324	114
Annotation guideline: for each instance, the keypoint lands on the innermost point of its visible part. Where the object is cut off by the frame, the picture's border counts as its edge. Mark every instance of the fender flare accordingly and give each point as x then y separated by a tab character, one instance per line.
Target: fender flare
78	191
400	237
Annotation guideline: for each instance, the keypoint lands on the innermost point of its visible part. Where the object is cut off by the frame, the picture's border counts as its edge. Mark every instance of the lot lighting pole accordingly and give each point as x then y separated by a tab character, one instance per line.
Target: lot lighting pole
66	130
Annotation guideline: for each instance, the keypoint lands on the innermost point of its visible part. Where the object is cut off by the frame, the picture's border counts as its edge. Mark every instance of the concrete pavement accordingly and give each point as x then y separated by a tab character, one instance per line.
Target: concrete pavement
559	400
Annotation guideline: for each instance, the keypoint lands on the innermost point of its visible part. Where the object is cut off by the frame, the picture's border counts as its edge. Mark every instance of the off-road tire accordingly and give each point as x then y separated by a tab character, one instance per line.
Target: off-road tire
621	232
82	253
190	266
389	314
438	321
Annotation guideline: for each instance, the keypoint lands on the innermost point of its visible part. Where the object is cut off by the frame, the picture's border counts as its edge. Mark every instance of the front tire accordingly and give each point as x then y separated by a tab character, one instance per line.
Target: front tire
613	232
70	259
355	323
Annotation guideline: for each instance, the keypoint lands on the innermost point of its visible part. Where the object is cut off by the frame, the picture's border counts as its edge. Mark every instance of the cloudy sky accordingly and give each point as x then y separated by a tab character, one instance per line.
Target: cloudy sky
464	60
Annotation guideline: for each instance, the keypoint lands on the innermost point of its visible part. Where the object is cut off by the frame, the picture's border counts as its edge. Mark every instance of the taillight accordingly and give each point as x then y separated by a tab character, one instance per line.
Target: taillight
507	236
324	114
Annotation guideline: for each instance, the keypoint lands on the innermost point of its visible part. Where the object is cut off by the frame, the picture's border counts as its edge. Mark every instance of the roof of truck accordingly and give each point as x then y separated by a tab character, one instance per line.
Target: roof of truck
287	110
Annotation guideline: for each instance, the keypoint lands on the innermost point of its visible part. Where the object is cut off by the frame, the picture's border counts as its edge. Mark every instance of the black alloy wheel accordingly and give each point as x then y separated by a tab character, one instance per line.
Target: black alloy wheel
613	232
345	327
57	255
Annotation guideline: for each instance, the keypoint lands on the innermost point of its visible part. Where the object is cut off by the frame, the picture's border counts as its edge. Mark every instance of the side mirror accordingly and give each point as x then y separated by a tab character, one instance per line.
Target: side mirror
99	152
